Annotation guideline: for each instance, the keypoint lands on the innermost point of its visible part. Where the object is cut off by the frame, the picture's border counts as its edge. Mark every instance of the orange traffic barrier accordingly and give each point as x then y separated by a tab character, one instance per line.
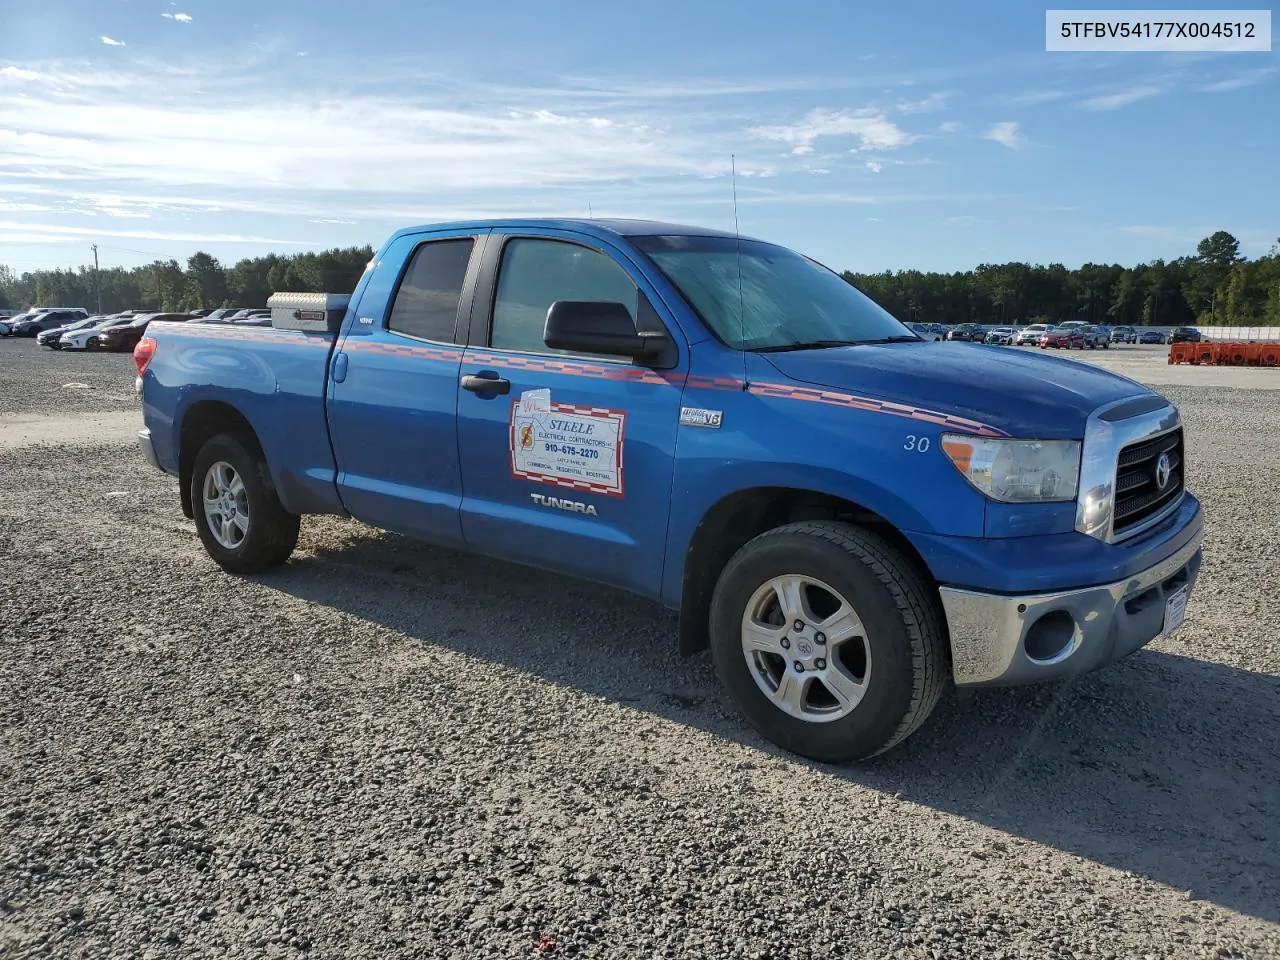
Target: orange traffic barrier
1227	353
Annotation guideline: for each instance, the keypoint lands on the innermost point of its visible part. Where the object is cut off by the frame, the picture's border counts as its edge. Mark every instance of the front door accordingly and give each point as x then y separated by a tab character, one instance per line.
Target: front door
567	460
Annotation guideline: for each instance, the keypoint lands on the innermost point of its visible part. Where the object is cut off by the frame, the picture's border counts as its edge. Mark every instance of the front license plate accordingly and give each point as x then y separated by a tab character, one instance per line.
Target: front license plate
1175	610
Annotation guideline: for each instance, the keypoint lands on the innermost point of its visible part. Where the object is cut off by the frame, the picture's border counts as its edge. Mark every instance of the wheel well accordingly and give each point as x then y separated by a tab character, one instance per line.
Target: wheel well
742	517
206	419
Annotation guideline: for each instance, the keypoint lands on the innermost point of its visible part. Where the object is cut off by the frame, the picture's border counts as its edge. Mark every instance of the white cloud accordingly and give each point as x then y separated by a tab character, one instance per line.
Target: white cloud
931	103
951	126
113	43
56	233
1036	97
874	167
1121	98
872	128
1005	133
179	17
1239	81
18	73
277	143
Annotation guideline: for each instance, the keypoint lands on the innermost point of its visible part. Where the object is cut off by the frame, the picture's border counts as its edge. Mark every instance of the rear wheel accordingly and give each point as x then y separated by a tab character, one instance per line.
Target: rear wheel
241	521
829	640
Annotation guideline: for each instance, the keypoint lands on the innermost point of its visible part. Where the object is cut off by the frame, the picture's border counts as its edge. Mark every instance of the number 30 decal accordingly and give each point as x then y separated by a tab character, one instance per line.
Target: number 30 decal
916	444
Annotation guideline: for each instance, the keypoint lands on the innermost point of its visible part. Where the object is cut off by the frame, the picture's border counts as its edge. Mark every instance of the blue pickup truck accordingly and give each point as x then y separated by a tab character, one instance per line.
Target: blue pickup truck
849	516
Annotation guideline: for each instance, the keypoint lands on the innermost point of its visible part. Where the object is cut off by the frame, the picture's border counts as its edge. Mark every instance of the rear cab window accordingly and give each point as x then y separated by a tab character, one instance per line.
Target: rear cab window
425	305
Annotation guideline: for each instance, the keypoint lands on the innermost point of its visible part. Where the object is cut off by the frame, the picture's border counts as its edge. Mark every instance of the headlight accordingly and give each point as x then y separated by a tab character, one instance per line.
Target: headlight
1017	471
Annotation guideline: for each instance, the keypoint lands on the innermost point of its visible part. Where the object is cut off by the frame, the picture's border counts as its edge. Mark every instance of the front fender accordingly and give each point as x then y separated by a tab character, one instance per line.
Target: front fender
697	493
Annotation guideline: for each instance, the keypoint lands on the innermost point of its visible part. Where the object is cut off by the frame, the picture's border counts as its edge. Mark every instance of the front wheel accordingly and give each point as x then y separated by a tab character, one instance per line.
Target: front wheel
829	640
241	521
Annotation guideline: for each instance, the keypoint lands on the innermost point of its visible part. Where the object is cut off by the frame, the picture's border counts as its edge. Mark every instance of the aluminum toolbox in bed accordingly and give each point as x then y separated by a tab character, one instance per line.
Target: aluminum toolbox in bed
311	312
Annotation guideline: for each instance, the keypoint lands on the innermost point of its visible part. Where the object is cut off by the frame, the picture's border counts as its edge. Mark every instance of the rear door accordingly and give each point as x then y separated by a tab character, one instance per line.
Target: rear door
393	389
568	460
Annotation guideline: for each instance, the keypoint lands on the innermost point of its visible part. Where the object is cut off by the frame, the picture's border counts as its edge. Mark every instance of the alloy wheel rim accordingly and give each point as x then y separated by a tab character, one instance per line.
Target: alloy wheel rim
226	505
806	648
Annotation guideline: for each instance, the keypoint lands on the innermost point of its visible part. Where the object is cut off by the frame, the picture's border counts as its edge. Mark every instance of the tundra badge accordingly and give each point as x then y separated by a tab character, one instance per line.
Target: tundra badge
573	506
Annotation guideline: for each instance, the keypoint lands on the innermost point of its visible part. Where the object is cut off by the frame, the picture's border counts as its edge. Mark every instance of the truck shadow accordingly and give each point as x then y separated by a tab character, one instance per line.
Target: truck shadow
1162	765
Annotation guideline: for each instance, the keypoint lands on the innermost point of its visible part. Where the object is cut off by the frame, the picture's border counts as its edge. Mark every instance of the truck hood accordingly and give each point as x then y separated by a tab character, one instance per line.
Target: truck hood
1021	394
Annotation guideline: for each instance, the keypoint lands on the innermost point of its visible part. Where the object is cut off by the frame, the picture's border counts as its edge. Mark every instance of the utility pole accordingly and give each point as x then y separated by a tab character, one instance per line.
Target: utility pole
97	280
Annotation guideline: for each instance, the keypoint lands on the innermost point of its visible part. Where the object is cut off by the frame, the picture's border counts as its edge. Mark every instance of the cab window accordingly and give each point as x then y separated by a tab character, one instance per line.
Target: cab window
426	305
535	273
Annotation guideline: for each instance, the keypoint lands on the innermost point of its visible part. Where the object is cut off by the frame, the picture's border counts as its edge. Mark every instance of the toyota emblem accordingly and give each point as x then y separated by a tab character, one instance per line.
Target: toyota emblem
1164	468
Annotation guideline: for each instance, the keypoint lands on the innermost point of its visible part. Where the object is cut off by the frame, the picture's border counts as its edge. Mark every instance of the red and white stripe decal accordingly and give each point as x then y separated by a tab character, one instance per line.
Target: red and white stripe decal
596	371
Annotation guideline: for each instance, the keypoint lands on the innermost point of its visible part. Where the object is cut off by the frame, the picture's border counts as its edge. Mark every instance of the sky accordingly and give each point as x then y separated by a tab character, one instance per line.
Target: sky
871	136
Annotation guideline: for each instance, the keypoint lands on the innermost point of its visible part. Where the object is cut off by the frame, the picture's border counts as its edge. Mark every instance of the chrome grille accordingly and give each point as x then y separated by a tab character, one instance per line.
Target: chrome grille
1139	497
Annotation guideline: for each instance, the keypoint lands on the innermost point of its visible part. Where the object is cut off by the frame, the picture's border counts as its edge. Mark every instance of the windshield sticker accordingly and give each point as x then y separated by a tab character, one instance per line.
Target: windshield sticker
566	445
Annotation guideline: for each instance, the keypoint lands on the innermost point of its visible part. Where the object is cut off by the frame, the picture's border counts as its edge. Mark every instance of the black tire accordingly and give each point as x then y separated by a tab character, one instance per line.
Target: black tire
272	531
906	637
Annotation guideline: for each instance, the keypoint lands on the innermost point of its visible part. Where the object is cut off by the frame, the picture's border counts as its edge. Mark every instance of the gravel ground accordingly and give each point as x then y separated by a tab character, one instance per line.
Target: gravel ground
388	750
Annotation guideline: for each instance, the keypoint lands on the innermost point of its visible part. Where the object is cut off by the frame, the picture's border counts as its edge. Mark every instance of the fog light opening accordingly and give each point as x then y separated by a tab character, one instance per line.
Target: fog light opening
1051	637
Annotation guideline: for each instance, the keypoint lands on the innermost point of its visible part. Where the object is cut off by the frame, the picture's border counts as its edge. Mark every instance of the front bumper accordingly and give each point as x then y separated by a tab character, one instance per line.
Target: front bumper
999	640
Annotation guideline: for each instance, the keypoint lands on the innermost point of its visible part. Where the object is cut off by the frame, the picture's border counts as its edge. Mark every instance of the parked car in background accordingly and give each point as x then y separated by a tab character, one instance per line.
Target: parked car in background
1151	336
124	338
1185	335
248	313
83	338
255	318
1062	338
965	331
216	316
1030	334
924	331
1124	334
1095	337
1000	335
6	326
37	323
52	338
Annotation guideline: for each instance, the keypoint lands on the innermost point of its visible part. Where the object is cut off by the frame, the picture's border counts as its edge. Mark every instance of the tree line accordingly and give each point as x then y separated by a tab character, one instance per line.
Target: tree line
1217	286
164	286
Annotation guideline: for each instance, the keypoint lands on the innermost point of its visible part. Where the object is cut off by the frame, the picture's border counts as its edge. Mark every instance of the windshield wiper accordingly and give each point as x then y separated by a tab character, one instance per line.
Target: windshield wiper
808	345
823	344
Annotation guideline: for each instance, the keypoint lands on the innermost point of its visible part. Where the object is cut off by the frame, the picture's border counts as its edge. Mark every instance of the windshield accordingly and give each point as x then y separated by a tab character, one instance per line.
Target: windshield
786	299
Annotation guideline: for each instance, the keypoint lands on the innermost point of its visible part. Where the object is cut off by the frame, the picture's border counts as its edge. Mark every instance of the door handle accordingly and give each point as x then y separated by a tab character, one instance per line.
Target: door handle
483	383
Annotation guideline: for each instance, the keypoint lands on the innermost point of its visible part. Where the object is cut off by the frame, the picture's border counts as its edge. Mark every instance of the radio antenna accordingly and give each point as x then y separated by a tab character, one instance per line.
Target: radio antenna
737	236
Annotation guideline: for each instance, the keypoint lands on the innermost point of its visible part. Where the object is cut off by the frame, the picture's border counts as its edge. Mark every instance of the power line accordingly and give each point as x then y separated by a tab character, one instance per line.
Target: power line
144	253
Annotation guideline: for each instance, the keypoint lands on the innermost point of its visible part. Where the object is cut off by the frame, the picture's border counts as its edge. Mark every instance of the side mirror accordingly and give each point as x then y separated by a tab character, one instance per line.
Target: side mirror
599	326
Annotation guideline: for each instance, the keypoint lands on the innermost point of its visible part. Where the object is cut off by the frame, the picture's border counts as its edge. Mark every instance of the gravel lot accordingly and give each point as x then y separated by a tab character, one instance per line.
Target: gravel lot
387	750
